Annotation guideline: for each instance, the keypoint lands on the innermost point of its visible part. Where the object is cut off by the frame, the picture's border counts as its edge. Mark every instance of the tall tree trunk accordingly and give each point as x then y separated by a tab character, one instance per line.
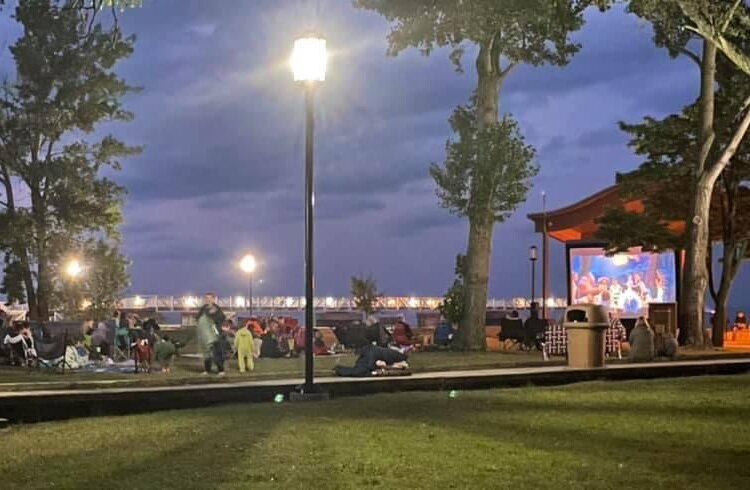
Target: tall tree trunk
695	278
43	276
471	335
722	300
19	249
28	282
696	272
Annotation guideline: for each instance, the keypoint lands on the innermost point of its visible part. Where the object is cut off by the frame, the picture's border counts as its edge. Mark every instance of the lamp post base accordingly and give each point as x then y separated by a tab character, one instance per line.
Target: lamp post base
309	393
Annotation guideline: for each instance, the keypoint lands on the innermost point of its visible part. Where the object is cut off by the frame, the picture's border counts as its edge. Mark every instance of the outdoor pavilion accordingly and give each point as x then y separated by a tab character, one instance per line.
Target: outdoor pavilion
578	222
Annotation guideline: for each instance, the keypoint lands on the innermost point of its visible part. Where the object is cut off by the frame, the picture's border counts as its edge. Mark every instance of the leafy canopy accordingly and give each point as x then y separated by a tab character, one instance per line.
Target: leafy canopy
670	147
65	87
487	171
522	31
364	290
453	305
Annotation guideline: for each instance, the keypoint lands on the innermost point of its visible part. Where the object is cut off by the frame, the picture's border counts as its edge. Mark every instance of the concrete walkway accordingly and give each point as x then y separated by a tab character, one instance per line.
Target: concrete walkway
38	405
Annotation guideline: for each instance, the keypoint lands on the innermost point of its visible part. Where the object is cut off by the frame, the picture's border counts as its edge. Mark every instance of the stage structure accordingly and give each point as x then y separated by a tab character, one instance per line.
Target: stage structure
628	281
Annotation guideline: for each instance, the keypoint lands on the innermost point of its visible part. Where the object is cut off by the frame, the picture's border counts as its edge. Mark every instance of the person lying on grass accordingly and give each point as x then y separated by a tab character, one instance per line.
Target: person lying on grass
375	361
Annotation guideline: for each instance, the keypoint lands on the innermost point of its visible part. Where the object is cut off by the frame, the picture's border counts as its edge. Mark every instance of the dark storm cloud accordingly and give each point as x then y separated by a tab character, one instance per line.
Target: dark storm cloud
413	224
289	207
603	137
145	227
205	172
181	252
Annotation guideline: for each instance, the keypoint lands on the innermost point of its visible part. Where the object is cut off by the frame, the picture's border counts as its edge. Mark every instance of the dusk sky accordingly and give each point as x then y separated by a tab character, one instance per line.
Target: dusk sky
222	126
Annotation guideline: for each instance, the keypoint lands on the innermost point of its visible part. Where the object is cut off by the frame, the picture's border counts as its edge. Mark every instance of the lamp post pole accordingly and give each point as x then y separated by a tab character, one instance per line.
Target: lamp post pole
309	68
309	233
248	265
532	259
545	257
250	293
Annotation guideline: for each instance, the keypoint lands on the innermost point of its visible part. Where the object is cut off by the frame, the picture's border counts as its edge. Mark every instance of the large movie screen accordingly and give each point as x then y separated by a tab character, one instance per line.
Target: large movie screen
625	283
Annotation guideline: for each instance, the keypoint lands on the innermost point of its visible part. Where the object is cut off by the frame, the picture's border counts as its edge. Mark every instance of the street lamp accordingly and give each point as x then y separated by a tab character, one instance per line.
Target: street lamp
248	265
533	258
309	69
73	268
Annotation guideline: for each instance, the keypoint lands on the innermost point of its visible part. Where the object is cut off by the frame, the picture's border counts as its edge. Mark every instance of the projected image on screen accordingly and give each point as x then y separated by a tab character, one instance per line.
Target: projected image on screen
625	283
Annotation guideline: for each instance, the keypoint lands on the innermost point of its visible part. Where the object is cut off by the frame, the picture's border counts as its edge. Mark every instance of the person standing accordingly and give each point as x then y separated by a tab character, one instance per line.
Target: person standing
244	344
210	319
165	352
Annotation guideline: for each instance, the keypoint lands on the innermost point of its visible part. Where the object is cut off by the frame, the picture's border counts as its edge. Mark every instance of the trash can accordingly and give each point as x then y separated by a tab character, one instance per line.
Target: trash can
585	326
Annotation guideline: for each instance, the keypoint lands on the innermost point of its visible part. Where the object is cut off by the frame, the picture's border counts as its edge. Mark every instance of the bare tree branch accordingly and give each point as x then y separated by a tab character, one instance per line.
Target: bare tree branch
729	17
508	69
691	55
737	137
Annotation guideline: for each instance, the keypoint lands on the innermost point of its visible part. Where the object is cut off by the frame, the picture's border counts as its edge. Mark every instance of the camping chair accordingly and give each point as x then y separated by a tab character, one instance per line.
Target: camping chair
121	345
51	352
534	329
512	329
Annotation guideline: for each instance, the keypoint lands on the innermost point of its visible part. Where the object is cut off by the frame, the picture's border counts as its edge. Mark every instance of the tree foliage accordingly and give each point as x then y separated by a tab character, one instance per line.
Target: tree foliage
453	305
487	171
520	31
94	294
364	290
65	87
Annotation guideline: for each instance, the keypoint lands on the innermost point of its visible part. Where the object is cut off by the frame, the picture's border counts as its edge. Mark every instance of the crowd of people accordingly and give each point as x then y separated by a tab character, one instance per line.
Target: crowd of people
220	339
127	338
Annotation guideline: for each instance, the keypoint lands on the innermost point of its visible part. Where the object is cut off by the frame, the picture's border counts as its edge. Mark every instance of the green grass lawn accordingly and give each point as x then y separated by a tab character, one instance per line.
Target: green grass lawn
685	433
188	370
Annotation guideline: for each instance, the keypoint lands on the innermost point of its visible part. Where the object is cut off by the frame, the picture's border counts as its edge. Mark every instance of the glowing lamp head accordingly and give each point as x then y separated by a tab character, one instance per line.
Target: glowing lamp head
309	59
73	268
532	252
248	264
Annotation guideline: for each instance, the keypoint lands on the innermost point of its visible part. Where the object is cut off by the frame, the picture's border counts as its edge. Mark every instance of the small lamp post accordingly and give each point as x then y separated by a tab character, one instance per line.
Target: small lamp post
533	258
248	265
309	59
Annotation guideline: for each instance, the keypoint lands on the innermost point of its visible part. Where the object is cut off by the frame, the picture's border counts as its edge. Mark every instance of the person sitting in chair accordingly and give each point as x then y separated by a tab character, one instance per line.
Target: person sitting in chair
319	345
444	334
403	336
20	344
740	321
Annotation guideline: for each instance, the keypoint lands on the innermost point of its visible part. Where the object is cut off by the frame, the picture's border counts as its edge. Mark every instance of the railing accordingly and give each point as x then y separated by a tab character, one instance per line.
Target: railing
187	303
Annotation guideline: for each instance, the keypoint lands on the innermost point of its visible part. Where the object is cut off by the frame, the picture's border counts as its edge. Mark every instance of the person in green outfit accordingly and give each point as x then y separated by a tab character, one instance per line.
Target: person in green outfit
210	319
244	345
165	352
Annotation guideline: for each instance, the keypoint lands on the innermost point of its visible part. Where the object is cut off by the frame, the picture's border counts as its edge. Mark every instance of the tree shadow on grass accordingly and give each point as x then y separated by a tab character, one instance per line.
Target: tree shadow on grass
546	426
189	457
